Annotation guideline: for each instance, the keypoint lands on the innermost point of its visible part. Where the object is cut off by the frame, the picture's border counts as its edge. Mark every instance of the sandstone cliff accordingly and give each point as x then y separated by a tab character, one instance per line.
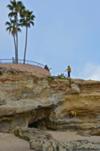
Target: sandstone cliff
50	103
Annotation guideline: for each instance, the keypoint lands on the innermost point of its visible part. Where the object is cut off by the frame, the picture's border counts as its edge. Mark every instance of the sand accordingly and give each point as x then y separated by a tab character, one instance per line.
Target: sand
9	142
72	136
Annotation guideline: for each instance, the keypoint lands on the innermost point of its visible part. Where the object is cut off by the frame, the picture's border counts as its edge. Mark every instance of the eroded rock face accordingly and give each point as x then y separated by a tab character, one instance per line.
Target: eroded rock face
49	103
24	98
39	140
27	99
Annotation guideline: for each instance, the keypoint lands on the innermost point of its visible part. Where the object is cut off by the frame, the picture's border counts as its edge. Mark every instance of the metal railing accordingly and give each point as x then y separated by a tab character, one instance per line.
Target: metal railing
20	61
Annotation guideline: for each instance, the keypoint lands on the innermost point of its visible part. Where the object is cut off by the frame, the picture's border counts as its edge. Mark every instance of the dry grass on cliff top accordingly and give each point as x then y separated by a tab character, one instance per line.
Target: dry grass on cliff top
33	69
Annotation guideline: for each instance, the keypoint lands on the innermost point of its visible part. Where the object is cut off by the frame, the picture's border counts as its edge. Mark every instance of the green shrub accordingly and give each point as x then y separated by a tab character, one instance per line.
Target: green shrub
61	76
51	78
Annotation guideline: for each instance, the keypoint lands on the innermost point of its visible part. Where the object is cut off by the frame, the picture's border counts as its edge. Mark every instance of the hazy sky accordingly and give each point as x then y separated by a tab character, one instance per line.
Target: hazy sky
65	32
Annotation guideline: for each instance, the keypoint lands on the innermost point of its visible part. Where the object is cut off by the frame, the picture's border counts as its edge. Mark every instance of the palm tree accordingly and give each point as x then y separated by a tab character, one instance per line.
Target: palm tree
27	20
11	27
19	17
14	14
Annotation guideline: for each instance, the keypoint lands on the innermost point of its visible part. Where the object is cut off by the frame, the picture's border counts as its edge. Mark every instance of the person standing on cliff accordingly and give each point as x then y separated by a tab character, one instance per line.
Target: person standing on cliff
47	68
68	69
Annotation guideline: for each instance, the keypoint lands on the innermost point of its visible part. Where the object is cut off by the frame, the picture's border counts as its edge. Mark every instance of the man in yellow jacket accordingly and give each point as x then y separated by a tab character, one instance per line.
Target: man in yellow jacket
68	70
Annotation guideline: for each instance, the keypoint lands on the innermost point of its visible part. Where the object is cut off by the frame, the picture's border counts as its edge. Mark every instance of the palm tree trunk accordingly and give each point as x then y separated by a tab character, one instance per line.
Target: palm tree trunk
15	48
16	19
26	37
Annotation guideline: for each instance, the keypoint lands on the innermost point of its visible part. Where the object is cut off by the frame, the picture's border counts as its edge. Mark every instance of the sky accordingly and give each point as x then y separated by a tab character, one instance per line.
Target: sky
66	32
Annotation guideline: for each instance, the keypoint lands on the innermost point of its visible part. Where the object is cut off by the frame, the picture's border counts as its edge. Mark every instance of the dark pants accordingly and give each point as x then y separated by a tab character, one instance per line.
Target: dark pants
68	74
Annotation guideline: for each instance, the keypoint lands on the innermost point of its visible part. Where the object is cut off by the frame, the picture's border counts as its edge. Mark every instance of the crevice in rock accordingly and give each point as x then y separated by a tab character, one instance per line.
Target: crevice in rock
40	118
42	124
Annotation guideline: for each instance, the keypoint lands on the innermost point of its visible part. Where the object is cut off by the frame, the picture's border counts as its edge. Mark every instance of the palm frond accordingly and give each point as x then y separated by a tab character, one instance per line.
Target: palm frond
12	14
8	23
10	7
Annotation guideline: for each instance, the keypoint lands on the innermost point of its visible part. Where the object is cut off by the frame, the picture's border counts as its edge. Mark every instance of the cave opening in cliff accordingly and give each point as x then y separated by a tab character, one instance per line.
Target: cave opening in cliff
33	125
40	123
40	118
